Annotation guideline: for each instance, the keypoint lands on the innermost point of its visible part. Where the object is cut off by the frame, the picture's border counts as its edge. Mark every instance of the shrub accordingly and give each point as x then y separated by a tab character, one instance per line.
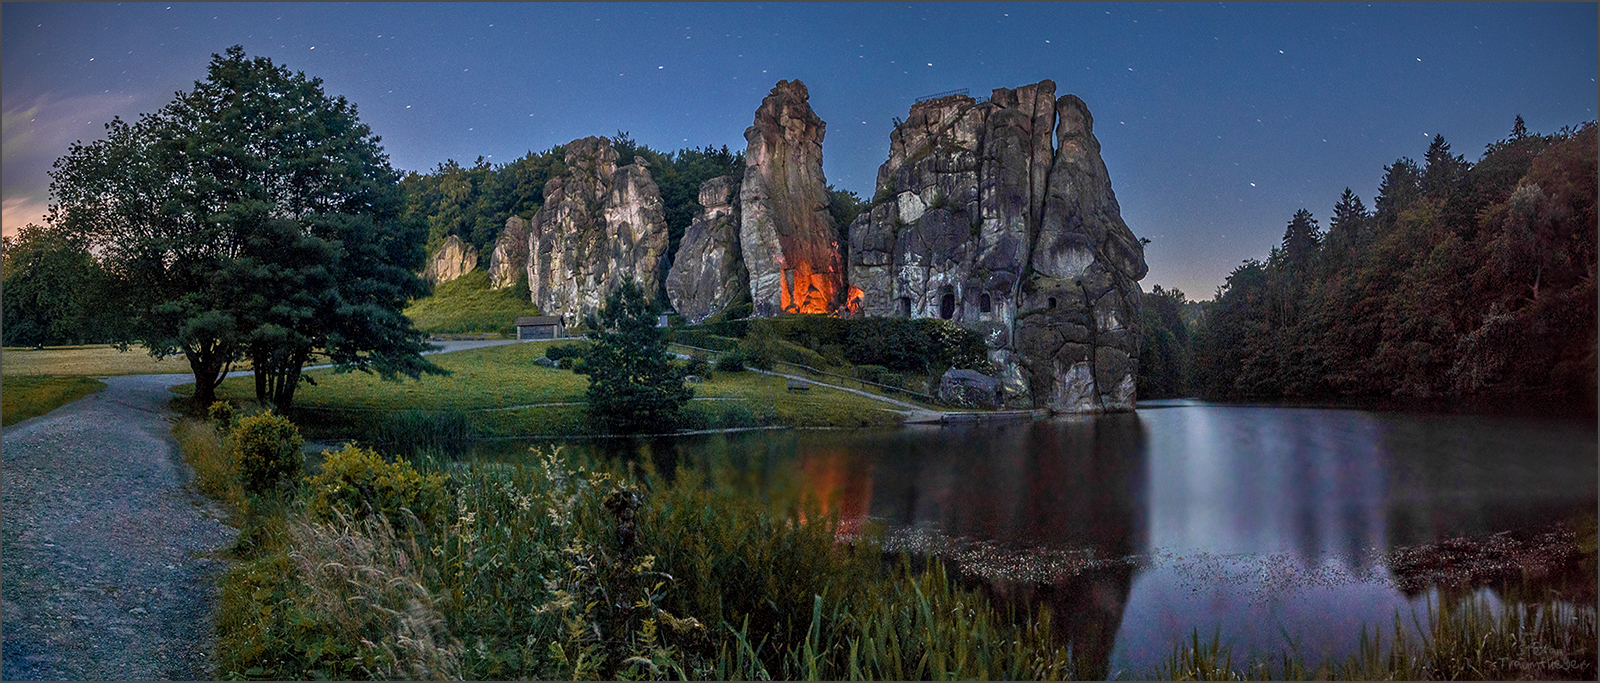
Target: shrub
759	352
266	449
221	414
357	482
699	366
557	353
704	339
732	361
877	374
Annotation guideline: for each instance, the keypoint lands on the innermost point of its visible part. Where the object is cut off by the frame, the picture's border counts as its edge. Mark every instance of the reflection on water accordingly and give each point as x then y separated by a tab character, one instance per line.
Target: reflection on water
1264	524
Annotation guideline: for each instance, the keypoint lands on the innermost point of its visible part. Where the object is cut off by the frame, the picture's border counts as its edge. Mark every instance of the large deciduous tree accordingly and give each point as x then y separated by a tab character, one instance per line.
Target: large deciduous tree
258	218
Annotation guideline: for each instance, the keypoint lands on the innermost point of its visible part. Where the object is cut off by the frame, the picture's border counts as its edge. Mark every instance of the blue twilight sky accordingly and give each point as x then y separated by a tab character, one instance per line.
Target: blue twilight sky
1217	121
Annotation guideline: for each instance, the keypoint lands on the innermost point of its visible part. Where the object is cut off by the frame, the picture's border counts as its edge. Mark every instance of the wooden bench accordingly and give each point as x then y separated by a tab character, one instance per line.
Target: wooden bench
799	385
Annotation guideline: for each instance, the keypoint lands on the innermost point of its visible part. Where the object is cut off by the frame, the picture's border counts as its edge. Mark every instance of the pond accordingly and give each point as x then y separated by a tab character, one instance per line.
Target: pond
1267	525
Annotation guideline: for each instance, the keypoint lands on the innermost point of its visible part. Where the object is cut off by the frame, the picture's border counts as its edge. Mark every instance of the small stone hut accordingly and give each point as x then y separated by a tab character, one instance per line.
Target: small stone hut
540	327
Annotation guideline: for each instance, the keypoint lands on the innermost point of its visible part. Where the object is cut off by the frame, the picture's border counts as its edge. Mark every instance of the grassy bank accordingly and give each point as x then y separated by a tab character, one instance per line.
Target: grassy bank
500	392
467	305
89	360
567	568
25	396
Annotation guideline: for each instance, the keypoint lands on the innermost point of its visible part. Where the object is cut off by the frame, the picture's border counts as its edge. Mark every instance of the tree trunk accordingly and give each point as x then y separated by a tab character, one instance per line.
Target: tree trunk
206	366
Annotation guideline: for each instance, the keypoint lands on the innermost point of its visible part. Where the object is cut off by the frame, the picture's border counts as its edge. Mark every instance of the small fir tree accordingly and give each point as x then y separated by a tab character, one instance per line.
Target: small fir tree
633	387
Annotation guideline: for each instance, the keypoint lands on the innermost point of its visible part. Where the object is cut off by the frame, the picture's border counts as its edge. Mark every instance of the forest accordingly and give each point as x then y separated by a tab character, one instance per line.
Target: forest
1463	279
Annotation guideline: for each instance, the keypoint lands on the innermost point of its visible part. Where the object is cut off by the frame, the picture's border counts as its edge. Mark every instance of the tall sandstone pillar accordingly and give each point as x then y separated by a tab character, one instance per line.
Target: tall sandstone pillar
785	231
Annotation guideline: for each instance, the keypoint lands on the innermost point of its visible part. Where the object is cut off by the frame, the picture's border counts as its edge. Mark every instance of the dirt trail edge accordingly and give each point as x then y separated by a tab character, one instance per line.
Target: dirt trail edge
108	558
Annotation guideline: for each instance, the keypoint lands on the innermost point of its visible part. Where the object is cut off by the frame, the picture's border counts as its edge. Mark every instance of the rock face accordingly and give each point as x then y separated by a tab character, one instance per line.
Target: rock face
454	259
999	215
599	226
969	389
786	234
508	263
709	272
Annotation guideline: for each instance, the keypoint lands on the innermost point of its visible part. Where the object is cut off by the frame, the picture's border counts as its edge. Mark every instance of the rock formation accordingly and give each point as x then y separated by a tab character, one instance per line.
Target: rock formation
454	259
599	226
981	218
508	263
786	234
709	272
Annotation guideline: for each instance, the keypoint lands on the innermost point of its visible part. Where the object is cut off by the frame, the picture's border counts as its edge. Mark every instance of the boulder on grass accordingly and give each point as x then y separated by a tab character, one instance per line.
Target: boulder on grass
969	389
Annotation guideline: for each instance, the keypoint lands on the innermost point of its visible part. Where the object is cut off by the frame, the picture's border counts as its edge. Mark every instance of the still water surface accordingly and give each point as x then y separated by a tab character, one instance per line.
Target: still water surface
1264	524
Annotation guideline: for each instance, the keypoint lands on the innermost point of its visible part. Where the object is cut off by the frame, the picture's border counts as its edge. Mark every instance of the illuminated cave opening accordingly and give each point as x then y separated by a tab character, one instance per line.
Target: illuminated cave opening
806	291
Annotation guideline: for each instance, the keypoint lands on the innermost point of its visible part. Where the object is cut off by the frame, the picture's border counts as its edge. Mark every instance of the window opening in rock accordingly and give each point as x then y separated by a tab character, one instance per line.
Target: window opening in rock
947	305
1052	302
985	304
905	307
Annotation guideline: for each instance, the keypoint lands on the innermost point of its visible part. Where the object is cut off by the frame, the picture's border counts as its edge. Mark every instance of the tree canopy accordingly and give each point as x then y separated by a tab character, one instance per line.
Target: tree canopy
257	218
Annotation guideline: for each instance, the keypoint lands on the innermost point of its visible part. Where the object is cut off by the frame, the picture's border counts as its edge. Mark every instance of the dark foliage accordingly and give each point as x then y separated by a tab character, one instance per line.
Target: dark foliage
55	292
1165	362
1467	279
920	345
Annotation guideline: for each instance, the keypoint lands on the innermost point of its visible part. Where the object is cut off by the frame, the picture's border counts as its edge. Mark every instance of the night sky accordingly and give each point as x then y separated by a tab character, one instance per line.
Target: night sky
1217	122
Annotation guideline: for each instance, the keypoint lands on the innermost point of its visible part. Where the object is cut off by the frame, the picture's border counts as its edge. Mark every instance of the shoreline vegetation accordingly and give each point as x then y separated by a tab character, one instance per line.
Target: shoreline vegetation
568	567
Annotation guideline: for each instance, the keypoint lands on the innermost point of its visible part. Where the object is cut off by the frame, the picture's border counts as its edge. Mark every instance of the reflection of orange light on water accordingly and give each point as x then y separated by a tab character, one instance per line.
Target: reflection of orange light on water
805	291
838	489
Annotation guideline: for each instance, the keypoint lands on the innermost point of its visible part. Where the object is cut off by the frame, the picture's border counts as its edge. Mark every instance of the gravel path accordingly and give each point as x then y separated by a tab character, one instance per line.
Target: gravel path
109	560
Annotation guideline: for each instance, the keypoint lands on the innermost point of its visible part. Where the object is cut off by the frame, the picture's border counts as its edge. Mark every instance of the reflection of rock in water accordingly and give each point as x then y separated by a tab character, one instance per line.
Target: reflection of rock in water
1050	516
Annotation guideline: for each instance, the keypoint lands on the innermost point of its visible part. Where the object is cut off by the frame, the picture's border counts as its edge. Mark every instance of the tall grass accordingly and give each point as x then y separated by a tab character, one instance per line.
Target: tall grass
1465	639
215	472
565	567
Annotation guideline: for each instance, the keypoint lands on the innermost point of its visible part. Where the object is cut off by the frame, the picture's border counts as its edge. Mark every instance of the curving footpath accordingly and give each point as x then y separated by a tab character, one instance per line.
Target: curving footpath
108	558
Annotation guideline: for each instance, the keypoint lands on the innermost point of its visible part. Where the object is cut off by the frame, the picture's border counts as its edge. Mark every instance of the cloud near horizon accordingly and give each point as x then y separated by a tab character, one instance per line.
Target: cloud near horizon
16	212
36	133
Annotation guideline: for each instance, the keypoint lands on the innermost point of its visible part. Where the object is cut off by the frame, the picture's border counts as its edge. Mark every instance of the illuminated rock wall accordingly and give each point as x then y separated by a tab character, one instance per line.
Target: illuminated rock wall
786	234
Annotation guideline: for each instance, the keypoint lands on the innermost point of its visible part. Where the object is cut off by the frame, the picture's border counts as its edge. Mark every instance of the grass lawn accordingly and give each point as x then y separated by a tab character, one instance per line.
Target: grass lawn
91	360
485	382
467	305
23	397
798	371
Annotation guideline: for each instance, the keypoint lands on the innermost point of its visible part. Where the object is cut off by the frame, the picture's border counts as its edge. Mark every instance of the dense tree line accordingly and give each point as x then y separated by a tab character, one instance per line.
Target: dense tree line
55	292
1166	362
1463	279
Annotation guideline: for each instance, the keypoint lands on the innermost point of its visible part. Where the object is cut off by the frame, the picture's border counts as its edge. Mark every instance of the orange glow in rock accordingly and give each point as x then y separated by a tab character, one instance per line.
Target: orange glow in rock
804	291
852	302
